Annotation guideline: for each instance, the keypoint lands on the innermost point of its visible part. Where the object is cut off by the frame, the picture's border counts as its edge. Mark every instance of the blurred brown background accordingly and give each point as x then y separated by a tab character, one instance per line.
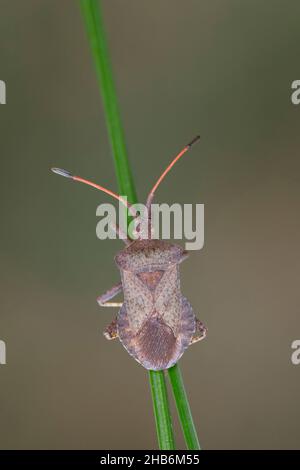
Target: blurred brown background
222	68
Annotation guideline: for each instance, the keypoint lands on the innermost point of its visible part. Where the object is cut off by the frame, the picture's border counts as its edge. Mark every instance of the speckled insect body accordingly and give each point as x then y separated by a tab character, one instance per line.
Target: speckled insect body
155	323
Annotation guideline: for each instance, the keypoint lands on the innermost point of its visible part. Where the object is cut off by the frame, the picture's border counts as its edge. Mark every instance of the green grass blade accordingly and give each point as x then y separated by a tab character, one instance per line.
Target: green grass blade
183	408
161	410
96	35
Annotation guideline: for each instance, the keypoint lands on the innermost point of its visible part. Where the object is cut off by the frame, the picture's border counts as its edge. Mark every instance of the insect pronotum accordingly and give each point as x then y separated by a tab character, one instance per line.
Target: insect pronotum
155	323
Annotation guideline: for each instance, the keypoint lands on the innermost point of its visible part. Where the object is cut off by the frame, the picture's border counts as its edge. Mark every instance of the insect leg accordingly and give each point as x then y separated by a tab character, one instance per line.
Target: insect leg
121	234
111	293
200	332
111	331
184	256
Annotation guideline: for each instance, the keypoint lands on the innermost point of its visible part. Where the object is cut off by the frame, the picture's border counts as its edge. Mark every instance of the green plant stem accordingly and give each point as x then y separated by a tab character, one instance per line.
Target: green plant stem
183	408
161	410
96	35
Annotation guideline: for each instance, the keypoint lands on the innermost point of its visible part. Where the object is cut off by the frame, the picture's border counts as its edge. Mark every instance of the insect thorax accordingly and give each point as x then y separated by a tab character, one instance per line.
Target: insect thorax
145	255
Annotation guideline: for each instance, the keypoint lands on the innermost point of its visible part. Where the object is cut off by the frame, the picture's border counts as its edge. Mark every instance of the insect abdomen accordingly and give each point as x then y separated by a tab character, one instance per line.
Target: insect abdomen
156	343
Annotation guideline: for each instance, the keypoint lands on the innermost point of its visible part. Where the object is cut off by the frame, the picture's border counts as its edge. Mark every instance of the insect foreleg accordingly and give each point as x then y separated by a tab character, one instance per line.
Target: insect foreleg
110	294
200	332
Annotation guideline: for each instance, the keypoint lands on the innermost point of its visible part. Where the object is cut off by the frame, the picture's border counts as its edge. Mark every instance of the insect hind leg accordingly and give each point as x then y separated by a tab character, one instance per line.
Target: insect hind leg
200	332
111	331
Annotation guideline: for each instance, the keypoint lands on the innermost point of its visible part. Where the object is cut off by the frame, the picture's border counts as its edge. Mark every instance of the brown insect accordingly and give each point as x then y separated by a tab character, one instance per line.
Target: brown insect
155	323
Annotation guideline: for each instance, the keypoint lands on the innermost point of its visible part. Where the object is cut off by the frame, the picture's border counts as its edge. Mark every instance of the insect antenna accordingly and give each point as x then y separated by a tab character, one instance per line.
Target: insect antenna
162	176
67	174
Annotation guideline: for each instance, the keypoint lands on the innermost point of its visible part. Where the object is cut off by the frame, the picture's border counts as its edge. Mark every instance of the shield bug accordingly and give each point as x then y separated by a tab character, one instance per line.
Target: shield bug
155	323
